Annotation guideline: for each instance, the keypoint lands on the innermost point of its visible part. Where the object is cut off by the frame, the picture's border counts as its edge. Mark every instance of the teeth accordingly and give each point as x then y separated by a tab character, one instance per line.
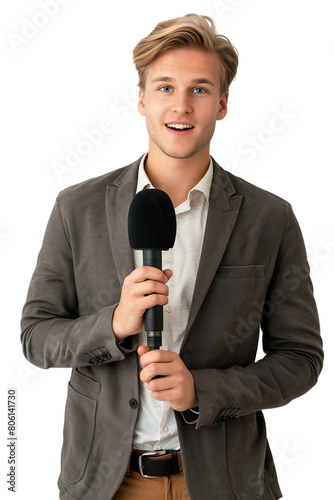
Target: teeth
179	126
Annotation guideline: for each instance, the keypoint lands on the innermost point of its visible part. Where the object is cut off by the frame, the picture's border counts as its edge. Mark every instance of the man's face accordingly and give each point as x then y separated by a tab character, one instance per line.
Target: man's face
181	102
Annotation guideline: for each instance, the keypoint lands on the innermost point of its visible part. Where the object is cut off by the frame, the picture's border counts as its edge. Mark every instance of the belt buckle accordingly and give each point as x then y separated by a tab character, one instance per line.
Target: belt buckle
158	453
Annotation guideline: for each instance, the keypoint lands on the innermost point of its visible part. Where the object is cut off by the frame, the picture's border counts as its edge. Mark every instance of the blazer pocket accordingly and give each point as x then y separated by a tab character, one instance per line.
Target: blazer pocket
85	385
238	272
79	430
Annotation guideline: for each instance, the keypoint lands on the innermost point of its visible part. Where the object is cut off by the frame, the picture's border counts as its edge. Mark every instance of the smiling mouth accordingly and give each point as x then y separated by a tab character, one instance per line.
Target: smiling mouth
179	126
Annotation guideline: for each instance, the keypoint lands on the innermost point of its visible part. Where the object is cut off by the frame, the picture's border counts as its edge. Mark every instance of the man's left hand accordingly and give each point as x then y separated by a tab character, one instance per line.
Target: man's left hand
175	383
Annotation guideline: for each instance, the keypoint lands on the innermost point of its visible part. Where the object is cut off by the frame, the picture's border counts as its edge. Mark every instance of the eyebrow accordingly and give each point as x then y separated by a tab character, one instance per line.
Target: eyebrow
196	81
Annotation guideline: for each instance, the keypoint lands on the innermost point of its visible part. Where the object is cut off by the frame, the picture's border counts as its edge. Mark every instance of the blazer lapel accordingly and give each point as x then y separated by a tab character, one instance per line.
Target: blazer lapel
222	215
118	199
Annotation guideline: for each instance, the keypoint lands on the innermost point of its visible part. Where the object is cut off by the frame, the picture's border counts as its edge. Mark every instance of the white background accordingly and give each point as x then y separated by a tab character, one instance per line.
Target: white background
64	73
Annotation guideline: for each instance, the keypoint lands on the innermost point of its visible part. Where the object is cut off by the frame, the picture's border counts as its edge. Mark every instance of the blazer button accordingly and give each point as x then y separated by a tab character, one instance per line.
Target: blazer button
133	403
93	361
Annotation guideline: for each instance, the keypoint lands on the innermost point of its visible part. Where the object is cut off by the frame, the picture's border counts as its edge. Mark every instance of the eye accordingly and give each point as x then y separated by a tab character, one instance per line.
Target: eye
199	90
165	88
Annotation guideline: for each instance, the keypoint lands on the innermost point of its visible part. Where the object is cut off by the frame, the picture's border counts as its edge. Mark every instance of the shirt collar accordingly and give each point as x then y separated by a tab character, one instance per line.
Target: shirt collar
203	186
143	181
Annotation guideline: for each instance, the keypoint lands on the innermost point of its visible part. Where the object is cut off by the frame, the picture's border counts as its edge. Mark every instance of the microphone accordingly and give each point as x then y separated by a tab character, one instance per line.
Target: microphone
152	228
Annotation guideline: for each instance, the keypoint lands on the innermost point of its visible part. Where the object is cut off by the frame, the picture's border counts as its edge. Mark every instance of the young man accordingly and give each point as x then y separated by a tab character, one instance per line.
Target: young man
238	264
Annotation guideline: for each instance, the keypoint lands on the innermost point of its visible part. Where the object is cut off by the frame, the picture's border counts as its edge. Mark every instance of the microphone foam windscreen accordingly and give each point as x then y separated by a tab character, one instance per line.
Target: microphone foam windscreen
151	221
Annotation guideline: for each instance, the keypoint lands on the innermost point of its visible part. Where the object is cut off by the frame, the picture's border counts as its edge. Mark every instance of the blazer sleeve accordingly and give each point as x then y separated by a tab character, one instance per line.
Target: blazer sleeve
291	342
52	332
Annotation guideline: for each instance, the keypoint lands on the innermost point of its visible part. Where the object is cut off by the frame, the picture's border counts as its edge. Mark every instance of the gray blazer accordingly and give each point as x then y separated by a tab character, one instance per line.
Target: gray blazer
253	273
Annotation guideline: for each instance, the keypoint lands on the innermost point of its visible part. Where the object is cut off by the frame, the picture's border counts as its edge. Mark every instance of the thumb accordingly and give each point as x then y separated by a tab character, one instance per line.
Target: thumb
168	273
143	350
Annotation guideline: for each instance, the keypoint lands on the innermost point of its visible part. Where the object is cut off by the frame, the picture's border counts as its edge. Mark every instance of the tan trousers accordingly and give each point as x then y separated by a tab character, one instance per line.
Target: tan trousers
135	487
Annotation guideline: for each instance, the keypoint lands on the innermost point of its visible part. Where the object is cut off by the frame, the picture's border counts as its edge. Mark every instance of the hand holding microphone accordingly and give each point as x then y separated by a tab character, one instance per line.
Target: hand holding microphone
146	287
152	228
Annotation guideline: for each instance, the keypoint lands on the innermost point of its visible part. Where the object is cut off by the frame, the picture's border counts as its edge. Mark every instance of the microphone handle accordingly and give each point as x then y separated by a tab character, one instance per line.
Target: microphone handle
154	315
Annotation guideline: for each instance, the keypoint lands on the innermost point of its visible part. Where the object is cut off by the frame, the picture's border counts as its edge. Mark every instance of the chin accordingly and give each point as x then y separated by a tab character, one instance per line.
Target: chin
181	155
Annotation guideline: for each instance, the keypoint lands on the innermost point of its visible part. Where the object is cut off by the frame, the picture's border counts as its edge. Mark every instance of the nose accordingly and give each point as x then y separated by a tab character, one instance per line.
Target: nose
181	103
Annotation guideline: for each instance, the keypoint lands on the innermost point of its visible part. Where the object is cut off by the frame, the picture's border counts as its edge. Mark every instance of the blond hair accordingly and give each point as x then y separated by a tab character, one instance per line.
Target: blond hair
193	31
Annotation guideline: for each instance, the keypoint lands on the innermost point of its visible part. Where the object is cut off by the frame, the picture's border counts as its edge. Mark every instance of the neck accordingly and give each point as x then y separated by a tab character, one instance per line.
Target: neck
176	176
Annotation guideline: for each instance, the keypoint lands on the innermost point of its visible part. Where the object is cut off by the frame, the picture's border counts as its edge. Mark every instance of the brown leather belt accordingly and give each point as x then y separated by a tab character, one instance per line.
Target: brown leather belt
156	464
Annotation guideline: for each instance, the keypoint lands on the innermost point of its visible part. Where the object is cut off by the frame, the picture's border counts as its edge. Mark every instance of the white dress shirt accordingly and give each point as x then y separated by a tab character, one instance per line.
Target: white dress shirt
156	426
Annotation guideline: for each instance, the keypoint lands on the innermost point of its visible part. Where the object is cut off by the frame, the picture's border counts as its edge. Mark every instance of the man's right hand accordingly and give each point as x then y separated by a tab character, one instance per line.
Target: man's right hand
145	287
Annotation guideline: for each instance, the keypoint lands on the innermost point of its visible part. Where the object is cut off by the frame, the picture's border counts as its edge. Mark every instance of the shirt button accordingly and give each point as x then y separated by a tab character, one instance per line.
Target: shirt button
170	259
169	309
166	430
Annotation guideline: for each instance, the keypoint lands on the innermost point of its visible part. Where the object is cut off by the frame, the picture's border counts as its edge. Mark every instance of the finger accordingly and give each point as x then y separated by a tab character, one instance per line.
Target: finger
168	273
150	286
161	384
157	370
166	395
143	349
158	356
144	273
151	300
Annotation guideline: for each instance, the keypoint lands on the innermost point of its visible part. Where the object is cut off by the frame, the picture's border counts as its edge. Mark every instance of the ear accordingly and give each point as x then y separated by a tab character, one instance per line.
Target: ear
141	101
222	110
